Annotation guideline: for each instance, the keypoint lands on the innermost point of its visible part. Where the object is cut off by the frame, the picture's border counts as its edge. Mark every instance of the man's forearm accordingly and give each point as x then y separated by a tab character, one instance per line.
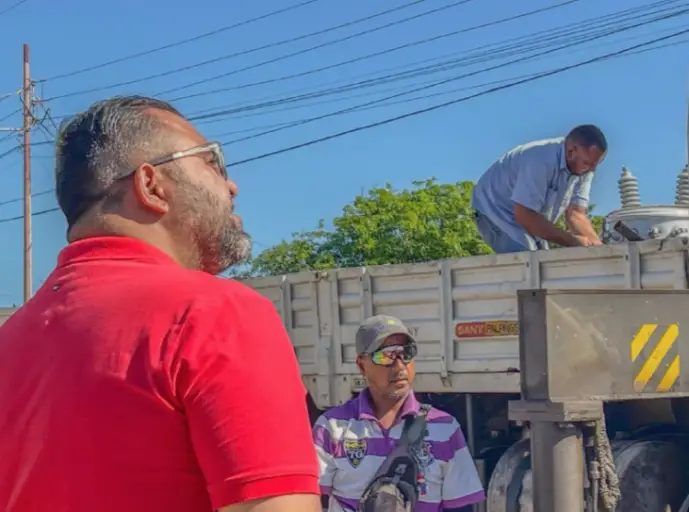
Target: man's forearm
580	224
537	225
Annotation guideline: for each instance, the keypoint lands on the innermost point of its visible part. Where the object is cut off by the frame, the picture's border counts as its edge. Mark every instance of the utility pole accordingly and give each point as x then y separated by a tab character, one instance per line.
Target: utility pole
28	121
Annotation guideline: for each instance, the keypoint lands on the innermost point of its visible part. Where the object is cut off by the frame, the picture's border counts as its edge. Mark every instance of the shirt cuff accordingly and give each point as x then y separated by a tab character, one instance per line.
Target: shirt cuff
232	492
578	201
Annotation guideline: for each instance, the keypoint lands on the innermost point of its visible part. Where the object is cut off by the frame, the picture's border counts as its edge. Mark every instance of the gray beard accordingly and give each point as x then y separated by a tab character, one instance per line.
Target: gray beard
219	243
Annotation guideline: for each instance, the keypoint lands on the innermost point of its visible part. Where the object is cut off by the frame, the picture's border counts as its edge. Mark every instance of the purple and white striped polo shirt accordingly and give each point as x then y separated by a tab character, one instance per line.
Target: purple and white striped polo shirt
351	446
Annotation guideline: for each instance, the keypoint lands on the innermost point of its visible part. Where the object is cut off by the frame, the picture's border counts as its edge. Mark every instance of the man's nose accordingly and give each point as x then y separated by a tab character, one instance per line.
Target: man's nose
234	189
399	364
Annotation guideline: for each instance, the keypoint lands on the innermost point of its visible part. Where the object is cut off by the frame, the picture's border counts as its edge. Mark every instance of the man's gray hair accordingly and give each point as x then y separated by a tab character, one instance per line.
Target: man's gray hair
95	147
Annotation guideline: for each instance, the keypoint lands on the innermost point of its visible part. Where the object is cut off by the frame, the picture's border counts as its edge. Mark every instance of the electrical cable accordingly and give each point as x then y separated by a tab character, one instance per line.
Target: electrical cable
513	81
34	214
451	102
548	33
470	59
358	34
379	53
377	92
451	79
9	152
238	54
15	112
298	94
177	43
19	199
12	7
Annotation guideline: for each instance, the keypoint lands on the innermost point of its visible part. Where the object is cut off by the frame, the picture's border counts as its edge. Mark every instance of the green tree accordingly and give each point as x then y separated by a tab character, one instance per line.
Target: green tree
430	221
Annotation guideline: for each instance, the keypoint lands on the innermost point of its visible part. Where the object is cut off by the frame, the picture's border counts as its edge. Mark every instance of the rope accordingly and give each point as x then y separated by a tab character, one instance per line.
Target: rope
602	469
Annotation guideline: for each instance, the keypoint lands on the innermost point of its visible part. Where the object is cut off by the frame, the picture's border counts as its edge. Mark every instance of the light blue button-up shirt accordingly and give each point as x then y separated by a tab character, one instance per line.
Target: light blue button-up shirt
534	175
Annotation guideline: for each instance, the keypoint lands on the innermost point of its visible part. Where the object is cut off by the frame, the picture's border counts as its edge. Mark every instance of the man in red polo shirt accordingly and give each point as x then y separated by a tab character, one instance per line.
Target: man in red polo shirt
135	380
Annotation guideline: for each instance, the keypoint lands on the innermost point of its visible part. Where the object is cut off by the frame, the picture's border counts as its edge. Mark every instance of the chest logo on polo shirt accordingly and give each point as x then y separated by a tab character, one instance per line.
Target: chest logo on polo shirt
355	450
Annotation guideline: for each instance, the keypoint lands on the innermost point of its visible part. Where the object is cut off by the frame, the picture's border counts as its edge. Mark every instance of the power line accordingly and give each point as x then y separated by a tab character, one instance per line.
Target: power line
5	96
289	107
453	102
319	46
443	93
445	81
499	51
270	45
9	152
34	214
179	43
368	56
370	93
12	7
296	95
13	113
19	199
379	53
584	37
513	81
425	96
442	66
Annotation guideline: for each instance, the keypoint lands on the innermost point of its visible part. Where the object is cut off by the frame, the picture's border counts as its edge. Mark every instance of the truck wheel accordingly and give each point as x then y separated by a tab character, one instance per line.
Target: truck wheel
505	486
653	475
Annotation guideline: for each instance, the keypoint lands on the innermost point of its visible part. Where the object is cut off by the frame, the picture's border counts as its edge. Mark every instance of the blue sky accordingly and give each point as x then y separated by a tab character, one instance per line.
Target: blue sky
639	101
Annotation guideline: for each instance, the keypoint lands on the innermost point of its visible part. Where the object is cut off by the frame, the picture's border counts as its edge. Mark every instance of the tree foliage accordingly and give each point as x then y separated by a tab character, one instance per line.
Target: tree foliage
384	226
429	221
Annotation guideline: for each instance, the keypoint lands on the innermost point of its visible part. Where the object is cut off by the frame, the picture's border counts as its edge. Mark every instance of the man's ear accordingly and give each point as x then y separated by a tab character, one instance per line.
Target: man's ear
149	189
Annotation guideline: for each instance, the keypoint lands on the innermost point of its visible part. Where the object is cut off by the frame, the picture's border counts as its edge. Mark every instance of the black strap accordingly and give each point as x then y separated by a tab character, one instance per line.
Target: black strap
415	427
414	431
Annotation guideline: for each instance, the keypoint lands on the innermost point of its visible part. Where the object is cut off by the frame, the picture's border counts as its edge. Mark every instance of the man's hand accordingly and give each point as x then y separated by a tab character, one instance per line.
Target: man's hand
537	225
579	224
584	241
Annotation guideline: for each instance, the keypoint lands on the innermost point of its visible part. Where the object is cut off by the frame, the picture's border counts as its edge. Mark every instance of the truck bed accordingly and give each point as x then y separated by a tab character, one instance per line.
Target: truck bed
463	311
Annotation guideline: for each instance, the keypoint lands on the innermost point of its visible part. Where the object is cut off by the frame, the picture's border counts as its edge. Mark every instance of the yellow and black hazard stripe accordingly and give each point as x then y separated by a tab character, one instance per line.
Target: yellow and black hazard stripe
656	366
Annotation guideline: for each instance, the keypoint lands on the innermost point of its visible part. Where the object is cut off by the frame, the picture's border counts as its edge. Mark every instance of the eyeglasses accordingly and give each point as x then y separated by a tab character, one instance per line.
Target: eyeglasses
387	356
211	147
86	201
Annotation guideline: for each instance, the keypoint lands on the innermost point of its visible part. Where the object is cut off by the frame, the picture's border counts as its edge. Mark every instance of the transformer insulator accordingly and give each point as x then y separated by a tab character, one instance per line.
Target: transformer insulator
682	190
629	189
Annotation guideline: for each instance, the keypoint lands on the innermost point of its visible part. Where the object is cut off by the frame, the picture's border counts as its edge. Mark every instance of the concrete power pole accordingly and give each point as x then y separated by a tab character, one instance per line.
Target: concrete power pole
28	121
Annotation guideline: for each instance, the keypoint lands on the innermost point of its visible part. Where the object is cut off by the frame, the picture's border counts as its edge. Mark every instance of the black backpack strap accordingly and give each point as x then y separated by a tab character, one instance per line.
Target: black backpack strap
414	431
415	427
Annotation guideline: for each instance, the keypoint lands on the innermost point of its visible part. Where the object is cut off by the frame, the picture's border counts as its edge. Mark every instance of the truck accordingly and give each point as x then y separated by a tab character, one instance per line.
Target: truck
562	366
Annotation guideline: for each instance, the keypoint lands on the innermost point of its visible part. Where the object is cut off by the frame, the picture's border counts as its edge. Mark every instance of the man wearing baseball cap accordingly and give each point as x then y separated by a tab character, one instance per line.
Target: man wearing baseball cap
354	439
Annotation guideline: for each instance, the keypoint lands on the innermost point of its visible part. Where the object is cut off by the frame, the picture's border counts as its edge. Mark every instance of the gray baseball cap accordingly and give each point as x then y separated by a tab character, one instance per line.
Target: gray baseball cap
373	332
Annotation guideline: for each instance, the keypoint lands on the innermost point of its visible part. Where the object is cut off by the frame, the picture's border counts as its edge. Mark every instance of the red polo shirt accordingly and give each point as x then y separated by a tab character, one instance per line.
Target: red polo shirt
129	383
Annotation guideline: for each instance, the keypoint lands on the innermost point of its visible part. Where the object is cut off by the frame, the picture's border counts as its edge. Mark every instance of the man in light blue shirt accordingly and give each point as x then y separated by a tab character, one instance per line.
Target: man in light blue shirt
521	196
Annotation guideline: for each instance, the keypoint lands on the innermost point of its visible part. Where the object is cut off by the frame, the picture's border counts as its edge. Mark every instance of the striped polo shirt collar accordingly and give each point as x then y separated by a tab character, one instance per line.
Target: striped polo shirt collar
411	406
